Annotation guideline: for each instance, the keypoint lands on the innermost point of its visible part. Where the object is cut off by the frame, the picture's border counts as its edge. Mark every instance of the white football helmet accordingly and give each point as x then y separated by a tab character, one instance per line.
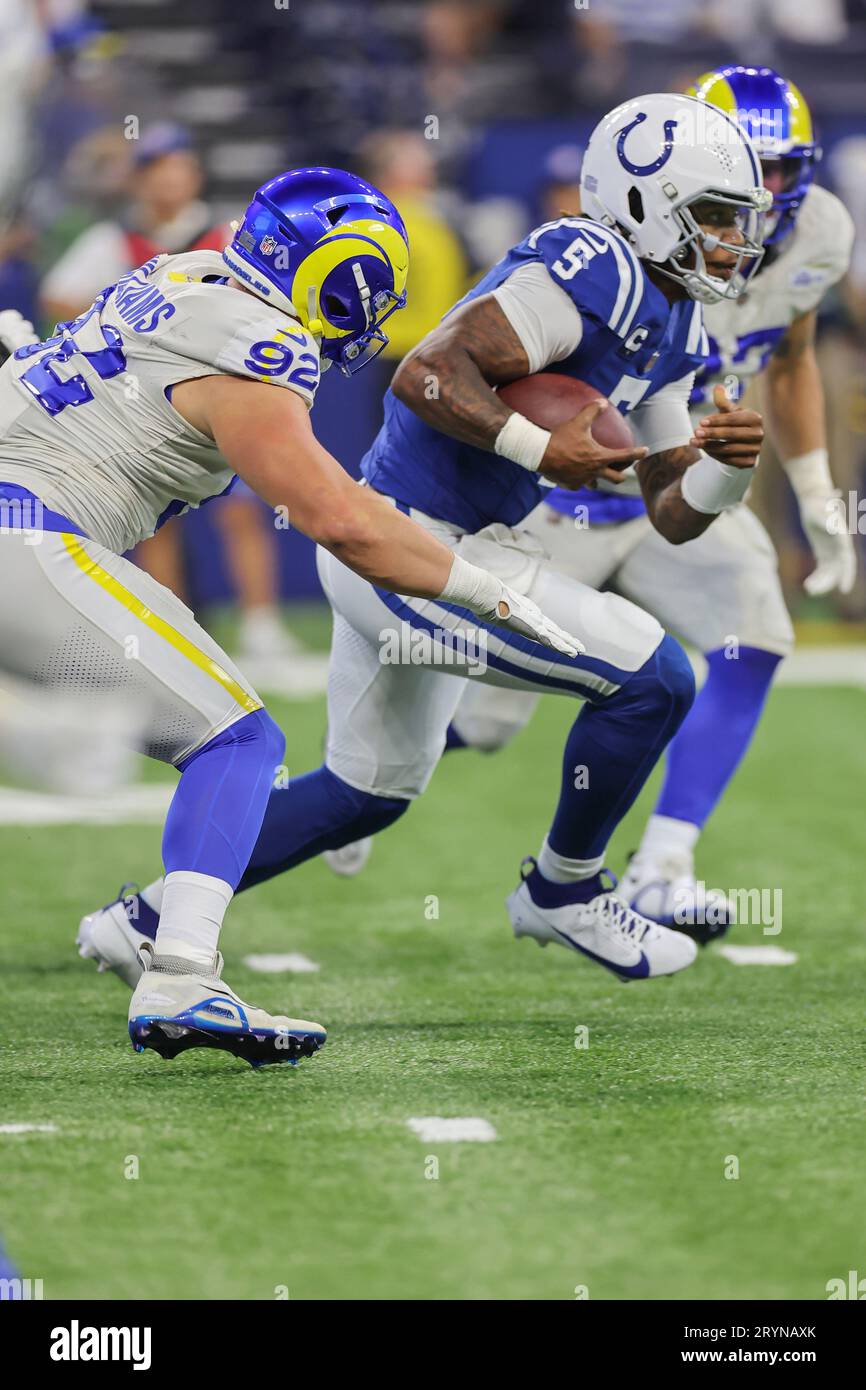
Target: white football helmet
650	160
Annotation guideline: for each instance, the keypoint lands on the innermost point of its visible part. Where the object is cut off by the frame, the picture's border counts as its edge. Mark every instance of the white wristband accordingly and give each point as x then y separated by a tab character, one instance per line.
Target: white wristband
809	474
522	442
709	486
470	586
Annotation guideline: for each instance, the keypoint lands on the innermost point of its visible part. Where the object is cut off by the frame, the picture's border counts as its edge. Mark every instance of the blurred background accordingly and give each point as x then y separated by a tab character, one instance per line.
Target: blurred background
135	125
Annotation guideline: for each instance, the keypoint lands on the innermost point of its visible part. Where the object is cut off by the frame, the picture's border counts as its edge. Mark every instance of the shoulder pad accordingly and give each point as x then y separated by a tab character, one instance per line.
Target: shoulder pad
823	236
236	333
595	266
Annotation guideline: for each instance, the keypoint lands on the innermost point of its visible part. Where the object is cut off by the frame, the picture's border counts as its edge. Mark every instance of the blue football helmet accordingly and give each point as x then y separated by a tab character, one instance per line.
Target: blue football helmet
775	115
331	250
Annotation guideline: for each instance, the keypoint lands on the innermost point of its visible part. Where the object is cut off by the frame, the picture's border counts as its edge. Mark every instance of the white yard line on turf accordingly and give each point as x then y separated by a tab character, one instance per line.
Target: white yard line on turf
758	955
275	965
140	804
839	665
467	1129
824	666
27	1129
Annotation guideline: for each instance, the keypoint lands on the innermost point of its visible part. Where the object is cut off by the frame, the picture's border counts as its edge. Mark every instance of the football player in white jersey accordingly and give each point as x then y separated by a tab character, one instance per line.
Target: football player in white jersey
150	403
720	591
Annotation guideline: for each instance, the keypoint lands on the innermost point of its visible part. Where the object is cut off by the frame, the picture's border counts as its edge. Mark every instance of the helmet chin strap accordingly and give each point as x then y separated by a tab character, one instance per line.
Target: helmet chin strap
314	323
363	291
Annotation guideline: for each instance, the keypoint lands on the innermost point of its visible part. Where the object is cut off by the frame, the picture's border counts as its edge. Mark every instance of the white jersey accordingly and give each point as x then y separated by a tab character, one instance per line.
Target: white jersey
744	332
813	257
86	420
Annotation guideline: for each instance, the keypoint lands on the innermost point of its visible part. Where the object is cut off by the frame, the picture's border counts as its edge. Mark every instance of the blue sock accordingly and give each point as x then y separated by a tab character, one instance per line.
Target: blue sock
216	812
546	893
315	812
706	752
618	740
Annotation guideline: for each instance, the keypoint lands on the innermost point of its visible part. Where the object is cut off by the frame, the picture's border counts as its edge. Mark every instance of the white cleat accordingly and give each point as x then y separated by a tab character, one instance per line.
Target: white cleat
606	931
667	891
276	660
109	937
176	1007
350	859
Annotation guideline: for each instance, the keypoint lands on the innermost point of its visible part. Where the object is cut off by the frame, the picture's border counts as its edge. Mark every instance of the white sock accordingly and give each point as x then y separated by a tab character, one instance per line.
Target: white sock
193	907
262	621
664	836
561	870
152	894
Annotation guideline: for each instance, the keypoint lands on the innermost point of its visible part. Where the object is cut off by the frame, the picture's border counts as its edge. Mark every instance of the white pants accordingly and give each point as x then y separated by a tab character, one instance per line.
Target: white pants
394	685
723	585
75	617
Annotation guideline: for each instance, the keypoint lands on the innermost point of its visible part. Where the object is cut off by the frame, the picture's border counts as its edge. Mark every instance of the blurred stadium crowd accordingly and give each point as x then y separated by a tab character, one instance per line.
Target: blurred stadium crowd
132	125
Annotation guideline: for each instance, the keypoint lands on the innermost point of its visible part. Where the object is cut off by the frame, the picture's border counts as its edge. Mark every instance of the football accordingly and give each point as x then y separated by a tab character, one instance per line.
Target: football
550	398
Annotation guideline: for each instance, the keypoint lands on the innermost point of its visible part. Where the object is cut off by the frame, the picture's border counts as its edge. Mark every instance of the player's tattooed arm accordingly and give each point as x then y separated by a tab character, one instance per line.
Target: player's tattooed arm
448	378
660	478
732	437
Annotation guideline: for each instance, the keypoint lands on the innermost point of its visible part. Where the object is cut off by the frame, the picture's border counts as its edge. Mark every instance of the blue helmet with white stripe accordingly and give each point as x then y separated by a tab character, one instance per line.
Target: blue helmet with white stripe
663	169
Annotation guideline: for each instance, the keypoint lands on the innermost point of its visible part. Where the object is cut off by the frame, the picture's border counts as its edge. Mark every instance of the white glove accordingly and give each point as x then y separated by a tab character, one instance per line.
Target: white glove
823	519
479	590
835	556
15	332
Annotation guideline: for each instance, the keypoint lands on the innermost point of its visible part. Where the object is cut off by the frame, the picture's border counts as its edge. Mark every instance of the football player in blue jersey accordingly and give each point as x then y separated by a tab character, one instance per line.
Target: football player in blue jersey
613	298
721	591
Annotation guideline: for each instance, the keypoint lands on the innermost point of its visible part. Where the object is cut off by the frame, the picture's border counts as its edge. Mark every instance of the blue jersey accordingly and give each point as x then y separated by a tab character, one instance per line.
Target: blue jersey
633	343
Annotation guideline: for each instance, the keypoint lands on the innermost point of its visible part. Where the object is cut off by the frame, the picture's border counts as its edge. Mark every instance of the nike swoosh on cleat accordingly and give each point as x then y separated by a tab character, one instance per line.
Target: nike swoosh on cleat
640	971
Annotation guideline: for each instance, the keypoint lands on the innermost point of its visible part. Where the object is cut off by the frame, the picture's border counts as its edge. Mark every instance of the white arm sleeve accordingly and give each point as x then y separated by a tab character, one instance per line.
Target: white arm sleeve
663	421
545	320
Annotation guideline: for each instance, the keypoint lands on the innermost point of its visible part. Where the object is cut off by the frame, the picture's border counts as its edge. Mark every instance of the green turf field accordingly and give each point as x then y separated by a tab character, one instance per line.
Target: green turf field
609	1168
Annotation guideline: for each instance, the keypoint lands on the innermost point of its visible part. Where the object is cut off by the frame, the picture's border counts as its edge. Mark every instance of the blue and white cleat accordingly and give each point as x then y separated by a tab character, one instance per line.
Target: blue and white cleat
109	937
174	1009
667	891
605	930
